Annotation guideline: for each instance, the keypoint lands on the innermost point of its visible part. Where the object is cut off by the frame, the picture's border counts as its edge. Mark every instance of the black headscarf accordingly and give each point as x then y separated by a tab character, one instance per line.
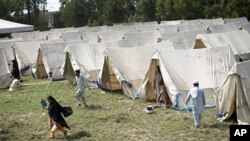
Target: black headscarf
55	112
15	70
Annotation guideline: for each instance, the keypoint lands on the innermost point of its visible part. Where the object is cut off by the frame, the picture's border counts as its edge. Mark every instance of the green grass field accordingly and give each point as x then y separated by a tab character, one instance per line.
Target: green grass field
110	116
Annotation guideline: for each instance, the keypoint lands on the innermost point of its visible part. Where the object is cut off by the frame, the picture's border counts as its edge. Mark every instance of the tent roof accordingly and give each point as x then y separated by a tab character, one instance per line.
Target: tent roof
192	27
10	27
239	41
220	28
5	79
134	65
213	21
241	20
246	27
111	35
142	38
167	44
182	40
177	22
7	46
209	66
168	28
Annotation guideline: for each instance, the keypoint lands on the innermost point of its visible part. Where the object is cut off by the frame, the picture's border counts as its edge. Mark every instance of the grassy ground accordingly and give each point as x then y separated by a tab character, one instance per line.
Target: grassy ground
110	116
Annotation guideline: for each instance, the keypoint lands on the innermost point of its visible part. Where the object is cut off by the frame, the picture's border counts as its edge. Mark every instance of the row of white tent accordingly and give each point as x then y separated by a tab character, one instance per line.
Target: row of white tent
96	37
215	69
129	64
29	52
180	40
109	33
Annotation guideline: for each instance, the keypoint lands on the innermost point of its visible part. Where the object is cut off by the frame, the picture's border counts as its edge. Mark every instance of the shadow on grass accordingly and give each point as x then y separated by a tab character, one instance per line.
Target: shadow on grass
222	124
94	107
4	134
78	135
121	117
217	126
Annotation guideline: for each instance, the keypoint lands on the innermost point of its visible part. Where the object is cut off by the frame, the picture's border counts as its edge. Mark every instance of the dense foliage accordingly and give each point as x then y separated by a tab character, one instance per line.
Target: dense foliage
107	12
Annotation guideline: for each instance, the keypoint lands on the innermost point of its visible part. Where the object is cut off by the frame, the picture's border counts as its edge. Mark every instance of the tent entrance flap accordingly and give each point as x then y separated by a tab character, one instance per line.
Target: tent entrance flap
150	93
68	72
40	71
108	77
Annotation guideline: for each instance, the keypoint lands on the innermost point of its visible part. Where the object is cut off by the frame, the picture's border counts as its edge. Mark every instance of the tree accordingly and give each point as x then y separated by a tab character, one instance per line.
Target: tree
188	9
114	12
96	9
75	13
165	10
145	10
23	11
57	20
238	8
213	11
5	6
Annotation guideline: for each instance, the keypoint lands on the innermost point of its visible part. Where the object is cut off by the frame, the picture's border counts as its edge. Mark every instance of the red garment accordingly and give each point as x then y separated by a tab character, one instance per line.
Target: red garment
164	92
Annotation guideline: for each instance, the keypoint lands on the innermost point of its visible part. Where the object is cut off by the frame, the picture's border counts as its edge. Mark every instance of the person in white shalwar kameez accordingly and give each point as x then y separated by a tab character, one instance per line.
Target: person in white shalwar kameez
198	102
80	81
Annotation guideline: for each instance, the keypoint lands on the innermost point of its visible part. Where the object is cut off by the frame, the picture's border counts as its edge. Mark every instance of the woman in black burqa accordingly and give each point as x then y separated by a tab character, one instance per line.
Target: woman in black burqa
15	70
57	121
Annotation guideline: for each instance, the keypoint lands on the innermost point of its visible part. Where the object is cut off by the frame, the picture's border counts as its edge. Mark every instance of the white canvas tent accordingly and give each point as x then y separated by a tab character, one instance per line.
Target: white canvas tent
168	28
109	36
88	29
165	45
28	36
40	36
49	61
26	55
126	27
238	41
192	27
149	23
8	46
72	36
233	96
212	21
220	28
54	35
181	40
246	27
195	21
67	29
117	43
86	57
142	38
180	67
240	20
125	68
104	28
147	28
91	37
10	27
5	74
16	35
4	38
177	22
